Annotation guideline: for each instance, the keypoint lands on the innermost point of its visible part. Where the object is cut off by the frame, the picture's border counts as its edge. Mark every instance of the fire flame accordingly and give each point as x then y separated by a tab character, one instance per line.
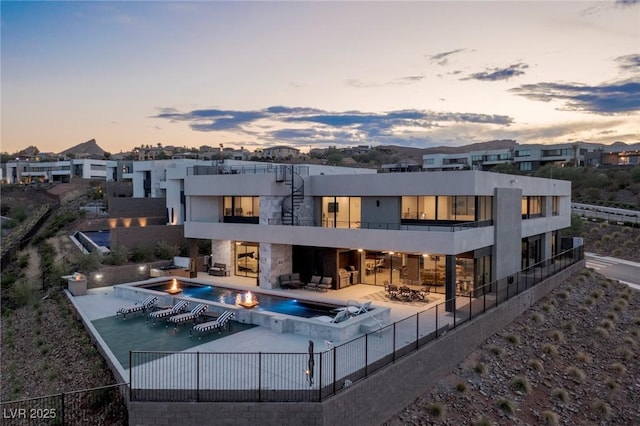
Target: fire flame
174	286
248	298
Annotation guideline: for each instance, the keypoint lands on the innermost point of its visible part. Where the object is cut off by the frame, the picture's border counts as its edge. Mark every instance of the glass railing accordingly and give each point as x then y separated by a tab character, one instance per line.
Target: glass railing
391	226
256	169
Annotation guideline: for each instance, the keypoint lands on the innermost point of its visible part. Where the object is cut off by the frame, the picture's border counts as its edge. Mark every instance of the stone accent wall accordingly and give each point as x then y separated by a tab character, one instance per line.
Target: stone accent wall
275	260
270	208
221	253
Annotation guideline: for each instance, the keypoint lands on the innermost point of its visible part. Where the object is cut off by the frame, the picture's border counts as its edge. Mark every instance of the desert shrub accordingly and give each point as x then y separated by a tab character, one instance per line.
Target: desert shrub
480	368
607	324
576	374
569	326
506	405
461	387
550	349
436	409
556	335
625	353
483	421
583	357
164	250
562	295
521	384
618	368
547	307
141	254
537	318
560	394
601	332
496	350
119	256
550	418
513	338
602	409
535	364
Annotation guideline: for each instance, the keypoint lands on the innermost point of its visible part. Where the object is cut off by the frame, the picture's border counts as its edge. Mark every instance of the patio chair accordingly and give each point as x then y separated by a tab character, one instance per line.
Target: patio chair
189	316
218	324
178	308
339	317
406	293
313	283
138	307
394	293
325	283
356	308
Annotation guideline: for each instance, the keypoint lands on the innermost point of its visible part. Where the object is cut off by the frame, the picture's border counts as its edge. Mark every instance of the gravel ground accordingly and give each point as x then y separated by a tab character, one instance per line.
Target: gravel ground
571	359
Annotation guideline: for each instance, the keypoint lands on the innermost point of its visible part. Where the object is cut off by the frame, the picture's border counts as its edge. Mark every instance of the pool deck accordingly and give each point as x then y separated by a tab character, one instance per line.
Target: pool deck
102	302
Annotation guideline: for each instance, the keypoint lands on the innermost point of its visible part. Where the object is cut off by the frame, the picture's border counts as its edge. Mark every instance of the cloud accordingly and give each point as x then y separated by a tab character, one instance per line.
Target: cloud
400	81
304	126
622	97
495	74
443	57
629	62
626	3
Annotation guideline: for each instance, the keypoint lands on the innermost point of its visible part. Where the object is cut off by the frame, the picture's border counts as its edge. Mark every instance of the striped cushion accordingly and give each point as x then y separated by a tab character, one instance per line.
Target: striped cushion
222	320
178	308
143	306
189	316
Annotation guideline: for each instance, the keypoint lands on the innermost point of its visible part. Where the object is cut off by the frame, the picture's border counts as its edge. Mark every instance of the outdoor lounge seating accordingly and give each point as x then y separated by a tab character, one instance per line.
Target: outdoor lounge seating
291	281
313	283
138	307
218	270
179	308
325	283
195	313
218	324
339	317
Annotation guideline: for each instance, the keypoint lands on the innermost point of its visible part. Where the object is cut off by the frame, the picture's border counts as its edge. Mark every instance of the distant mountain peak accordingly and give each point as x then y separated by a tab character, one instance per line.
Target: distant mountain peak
89	148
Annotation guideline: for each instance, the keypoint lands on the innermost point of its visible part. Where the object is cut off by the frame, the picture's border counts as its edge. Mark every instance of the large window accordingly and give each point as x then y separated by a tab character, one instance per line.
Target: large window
341	212
555	206
242	209
443	207
246	259
531	207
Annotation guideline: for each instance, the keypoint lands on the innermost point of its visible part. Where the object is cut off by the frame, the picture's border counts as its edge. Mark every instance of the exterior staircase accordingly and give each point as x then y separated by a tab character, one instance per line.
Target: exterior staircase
292	202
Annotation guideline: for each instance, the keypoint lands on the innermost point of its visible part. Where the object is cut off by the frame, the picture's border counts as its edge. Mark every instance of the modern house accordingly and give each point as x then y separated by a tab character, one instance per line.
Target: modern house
452	231
58	171
526	157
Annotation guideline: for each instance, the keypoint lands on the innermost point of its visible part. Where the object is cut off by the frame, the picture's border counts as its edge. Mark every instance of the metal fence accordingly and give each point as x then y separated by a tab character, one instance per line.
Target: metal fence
98	406
316	375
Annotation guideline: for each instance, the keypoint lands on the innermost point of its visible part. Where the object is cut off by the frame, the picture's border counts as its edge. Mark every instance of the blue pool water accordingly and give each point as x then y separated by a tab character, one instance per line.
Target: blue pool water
101	238
281	305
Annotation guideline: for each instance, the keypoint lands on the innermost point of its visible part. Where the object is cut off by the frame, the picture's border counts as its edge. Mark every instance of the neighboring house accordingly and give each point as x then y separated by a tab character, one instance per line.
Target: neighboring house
58	171
526	158
451	231
280	152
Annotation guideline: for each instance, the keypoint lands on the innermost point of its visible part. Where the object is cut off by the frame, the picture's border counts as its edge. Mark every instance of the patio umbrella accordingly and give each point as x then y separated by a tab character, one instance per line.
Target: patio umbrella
311	364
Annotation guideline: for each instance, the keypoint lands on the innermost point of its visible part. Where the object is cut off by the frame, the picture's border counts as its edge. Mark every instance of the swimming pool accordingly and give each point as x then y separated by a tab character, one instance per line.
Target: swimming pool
266	302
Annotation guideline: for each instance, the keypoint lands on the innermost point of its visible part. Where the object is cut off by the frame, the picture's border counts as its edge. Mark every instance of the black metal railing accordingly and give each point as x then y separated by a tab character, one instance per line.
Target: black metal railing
97	406
316	375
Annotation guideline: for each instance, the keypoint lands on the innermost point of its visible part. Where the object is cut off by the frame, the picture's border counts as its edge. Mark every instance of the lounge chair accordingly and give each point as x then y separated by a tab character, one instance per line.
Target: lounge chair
138	307
218	323
325	283
339	317
313	283
189	316
179	308
357	308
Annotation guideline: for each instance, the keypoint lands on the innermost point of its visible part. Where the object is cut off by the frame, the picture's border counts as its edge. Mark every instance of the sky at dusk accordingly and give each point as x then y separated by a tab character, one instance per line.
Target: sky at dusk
316	74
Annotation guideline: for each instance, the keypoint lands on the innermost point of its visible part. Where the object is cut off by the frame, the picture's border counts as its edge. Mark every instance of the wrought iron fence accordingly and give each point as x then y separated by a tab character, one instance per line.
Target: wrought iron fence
316	375
97	406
